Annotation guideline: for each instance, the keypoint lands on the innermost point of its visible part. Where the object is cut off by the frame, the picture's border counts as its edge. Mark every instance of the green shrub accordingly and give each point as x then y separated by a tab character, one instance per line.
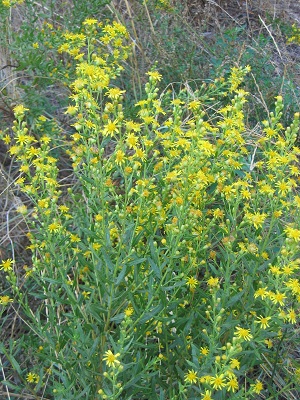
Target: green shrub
167	267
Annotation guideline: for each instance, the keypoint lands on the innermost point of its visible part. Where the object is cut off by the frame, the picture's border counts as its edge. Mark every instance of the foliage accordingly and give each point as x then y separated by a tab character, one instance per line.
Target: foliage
168	268
295	35
161	33
32	41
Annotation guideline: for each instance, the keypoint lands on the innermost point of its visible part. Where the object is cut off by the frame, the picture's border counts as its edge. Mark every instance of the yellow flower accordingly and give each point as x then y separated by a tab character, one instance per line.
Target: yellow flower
257	387
111	359
114	93
264	188
90	21
232	384
42	203
140	154
235	364
256	219
133	126
110	128
71	110
22	138
292	233
22	209
261	292
194	105
155	75
7	265
74	238
90	124
32	378
277	298
98	217
269	343
132	140
294	285
263	321
63	208
212	282
54	227
24	168
96	246
297	201
243	333
204	351
4	300
120	157
6	139
19	110
218	381
292	316
218	213
191	376
79	84
283	187
206	395
192	283
177	102
128	311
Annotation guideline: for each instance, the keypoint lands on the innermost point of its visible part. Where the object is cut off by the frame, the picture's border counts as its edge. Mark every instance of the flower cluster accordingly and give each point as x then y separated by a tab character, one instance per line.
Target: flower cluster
295	35
175	247
11	3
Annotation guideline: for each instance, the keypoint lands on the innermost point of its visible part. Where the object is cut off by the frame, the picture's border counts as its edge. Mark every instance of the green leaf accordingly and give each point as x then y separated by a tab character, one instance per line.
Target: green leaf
154	268
107	260
177	284
150	314
11	386
235	299
15	365
118	318
97	312
121	275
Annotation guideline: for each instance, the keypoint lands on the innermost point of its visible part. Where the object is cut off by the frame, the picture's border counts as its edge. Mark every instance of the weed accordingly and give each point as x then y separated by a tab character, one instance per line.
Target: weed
170	268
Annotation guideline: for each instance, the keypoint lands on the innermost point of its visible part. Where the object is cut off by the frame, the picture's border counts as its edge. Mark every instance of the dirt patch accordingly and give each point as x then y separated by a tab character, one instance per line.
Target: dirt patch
224	12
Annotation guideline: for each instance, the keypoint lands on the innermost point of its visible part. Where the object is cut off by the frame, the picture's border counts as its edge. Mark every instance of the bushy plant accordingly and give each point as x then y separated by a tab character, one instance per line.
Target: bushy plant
167	267
32	32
